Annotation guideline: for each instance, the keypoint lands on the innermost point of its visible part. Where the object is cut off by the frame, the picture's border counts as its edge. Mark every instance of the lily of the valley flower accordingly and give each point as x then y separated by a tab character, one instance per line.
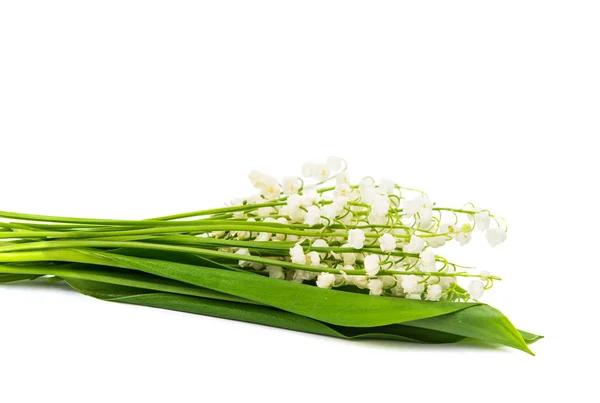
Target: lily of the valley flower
343	178
243	252
291	185
495	236
416	205
342	190
313	258
415	245
356	238
482	220
349	258
372	265
449	229
297	255
271	190
325	280
275	271
436	241
313	216
309	198
476	289
463	238
434	292
375	287
380	206
259	179
387	243
359	281
412	285
387	186
428	260
321	172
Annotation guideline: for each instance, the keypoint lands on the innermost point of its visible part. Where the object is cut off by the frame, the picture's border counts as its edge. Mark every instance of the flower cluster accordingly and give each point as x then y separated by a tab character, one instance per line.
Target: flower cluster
375	237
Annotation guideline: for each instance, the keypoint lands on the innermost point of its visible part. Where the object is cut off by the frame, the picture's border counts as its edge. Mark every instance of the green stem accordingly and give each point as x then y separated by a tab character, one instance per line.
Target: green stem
251	227
232	209
155	221
79	256
454	210
189	240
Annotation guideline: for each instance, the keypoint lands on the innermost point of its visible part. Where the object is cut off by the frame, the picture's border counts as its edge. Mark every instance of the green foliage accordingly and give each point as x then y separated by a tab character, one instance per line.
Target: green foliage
251	298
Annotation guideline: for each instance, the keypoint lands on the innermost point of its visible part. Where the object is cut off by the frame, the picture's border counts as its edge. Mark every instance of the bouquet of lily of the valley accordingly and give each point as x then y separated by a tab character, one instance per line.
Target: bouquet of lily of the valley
319	255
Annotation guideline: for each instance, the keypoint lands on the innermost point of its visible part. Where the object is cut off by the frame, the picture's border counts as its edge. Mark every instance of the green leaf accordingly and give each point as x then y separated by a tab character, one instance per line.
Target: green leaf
331	306
413	332
254	314
10	278
530	337
338	309
476	321
481	322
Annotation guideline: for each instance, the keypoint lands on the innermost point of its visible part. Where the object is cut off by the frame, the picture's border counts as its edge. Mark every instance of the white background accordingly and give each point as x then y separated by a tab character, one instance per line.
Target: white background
134	109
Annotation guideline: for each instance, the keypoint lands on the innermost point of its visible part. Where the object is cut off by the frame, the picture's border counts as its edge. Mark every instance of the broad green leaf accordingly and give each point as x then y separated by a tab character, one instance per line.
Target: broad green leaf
481	322
331	306
254	314
278	318
337	308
